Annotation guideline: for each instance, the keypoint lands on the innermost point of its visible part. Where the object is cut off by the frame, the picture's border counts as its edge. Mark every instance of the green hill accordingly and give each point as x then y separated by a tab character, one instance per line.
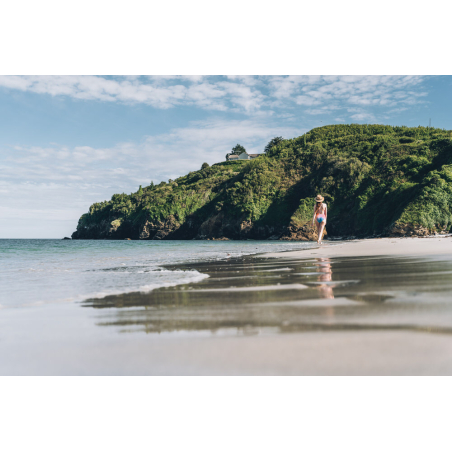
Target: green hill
376	180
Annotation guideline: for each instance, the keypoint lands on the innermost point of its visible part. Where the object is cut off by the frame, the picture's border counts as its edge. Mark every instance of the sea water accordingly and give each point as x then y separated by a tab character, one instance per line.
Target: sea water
37	271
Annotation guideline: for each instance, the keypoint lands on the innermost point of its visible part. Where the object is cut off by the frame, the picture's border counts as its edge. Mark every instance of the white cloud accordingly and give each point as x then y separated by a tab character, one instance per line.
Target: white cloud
341	92
307	100
157	91
253	95
250	80
363	117
59	182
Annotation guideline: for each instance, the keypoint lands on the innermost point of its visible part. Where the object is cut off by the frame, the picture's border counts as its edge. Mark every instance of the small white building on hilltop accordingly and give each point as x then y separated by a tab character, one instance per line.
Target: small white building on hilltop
242	156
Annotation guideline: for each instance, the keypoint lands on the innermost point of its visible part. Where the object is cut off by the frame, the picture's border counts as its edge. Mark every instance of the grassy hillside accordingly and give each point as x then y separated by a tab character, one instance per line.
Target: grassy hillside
376	180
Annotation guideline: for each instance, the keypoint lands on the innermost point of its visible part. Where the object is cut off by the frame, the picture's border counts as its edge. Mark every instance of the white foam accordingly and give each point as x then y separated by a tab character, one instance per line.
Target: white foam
191	276
193	279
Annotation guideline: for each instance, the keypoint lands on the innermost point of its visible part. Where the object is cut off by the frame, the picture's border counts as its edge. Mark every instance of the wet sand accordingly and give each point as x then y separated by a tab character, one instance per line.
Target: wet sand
406	246
371	307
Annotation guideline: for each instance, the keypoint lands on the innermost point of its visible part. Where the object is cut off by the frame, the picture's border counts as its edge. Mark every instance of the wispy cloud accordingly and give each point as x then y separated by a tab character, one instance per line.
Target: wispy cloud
44	181
344	91
155	157
363	117
158	91
252	95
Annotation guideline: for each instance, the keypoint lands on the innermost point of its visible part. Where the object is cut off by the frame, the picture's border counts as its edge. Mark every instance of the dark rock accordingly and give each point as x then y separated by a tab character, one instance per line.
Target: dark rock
408	230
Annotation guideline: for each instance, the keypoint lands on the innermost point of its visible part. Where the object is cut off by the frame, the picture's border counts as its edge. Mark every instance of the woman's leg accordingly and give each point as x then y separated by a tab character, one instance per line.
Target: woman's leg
317	224
322	227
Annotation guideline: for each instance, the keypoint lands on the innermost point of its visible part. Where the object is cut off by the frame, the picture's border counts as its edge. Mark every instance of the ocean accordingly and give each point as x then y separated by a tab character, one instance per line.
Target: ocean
39	271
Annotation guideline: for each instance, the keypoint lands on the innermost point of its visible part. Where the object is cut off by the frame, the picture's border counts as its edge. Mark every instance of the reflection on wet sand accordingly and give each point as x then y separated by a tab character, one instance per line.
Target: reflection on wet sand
324	267
238	299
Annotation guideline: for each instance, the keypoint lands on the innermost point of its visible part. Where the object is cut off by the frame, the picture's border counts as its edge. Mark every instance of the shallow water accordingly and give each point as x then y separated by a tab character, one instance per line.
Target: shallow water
38	271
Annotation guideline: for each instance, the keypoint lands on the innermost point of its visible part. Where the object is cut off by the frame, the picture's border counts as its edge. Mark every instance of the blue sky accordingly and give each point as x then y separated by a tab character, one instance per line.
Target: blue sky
69	141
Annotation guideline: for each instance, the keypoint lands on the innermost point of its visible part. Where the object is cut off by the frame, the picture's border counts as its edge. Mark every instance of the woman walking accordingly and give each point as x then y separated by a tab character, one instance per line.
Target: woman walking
320	213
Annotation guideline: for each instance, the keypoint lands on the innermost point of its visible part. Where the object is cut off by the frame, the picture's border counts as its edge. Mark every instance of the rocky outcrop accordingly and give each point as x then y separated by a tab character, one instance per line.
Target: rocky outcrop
212	227
220	225
159	230
307	232
116	229
410	230
216	227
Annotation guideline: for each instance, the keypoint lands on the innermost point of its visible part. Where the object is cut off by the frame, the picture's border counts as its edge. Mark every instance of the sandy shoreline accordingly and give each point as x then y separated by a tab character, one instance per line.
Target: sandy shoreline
365	307
406	246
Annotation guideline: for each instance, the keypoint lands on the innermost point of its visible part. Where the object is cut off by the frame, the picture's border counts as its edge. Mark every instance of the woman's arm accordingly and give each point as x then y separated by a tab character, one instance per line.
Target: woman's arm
313	218
326	212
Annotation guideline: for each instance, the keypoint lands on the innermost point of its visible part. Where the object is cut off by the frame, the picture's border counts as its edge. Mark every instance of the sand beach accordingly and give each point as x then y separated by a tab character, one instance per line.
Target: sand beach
439	245
364	307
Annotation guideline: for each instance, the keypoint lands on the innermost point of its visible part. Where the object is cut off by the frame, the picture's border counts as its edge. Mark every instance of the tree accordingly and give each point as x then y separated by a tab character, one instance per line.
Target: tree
140	191
238	149
304	139
204	166
272	143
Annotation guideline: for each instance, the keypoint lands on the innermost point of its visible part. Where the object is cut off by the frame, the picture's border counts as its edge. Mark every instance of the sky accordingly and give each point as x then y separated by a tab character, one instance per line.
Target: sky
69	141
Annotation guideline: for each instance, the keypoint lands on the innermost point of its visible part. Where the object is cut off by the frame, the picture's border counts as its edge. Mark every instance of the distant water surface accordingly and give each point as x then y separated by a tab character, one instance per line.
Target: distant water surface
36	271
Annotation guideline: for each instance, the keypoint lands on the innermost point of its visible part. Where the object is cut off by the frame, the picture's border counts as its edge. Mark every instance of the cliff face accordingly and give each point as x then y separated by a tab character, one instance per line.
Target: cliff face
215	227
376	180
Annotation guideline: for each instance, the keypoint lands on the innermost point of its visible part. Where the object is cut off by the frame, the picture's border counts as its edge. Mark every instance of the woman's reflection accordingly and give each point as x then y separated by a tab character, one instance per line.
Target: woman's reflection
324	268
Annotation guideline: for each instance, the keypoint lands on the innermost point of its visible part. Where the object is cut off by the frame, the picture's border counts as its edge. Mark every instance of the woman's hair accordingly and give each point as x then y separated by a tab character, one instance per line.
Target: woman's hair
318	205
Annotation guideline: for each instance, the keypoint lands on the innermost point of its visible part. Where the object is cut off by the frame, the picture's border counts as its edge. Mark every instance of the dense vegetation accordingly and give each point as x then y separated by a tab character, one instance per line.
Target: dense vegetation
376	179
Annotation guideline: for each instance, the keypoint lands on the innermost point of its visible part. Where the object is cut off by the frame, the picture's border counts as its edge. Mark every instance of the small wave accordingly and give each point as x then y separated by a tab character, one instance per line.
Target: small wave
99	268
193	276
190	276
194	279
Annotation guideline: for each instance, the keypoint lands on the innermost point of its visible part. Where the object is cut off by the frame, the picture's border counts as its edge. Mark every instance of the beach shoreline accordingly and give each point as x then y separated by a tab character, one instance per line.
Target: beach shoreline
385	246
364	307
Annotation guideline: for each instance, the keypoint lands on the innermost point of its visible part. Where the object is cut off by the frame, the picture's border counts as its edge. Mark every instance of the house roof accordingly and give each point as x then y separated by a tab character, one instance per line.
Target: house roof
254	155
231	157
